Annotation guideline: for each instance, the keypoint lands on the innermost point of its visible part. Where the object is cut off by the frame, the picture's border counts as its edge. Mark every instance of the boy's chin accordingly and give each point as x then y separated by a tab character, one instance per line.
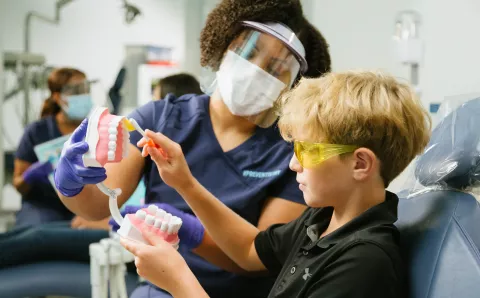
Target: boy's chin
312	201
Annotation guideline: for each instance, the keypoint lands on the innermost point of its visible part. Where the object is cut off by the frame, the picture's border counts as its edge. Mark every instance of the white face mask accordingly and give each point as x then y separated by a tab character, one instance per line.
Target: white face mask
245	88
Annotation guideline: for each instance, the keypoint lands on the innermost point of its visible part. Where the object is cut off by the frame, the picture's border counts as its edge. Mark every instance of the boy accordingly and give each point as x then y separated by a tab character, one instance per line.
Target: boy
353	133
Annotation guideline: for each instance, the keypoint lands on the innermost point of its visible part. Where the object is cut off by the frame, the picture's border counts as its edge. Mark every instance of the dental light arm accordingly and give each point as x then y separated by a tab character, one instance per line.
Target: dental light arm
131	13
55	21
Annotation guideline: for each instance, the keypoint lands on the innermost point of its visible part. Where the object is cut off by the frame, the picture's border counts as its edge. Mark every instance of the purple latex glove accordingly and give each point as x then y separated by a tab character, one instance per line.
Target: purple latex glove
191	232
71	175
38	172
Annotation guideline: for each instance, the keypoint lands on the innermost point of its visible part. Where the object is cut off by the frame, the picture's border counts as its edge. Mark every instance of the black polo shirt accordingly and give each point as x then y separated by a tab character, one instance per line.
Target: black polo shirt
360	259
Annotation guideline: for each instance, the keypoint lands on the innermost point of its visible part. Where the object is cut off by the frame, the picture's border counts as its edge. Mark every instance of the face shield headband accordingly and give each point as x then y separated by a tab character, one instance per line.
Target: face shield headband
255	70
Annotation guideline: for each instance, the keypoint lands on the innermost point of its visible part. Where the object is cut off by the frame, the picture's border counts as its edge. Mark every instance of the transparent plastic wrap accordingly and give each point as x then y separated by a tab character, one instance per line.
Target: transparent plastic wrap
451	160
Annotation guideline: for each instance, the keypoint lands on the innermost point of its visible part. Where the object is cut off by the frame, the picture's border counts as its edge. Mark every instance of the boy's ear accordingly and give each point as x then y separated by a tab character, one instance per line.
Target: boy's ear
365	164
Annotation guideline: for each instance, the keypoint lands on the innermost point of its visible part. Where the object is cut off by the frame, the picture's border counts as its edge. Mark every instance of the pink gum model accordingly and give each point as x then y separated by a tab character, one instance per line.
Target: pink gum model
107	139
151	219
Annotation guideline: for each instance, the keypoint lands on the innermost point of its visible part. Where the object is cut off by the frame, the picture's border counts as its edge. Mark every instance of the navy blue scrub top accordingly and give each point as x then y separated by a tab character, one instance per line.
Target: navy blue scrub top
242	178
36	133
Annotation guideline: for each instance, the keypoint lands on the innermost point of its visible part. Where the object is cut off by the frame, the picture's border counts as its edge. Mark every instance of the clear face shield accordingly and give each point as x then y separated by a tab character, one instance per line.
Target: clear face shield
255	70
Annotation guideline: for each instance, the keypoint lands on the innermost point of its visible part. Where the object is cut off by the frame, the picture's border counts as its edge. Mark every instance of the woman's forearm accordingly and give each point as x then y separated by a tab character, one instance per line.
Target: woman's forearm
21	185
90	203
210	251
233	234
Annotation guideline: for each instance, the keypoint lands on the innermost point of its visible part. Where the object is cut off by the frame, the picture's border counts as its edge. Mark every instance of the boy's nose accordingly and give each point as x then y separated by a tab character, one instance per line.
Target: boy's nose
295	165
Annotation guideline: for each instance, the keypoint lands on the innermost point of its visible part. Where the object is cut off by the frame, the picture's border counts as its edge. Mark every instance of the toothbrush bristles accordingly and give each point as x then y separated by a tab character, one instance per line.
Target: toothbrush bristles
137	127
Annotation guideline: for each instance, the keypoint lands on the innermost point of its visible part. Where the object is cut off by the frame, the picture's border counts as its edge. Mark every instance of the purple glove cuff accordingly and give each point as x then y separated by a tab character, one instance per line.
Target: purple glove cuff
193	232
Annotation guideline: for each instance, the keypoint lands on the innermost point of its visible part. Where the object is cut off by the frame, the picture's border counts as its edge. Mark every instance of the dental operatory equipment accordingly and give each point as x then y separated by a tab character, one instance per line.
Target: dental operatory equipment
108	140
409	46
131	12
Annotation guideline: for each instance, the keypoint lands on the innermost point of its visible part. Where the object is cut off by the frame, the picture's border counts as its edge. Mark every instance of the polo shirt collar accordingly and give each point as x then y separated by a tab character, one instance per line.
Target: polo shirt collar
384	213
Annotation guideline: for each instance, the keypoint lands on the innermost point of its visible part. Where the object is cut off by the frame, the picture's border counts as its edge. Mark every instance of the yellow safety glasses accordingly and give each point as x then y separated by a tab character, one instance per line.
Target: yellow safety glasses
310	155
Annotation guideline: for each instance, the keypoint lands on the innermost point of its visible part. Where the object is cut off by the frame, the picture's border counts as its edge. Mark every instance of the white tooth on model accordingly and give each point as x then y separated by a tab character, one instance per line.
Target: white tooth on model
167	217
115	121
150	220
158	223
152	209
161	213
126	141
112	145
140	214
178	225
164	226
170	228
112	130
172	225
111	155
112	127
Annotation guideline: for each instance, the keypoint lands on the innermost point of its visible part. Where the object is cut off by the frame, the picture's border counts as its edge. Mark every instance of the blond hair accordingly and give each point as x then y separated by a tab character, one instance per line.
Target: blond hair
363	108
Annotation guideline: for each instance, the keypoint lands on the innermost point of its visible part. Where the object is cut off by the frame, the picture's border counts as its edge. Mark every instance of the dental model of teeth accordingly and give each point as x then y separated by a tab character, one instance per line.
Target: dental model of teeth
108	138
151	219
108	141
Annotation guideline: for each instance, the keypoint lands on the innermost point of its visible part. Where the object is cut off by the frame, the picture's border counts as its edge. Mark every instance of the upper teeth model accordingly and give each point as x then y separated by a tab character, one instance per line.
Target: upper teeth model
108	138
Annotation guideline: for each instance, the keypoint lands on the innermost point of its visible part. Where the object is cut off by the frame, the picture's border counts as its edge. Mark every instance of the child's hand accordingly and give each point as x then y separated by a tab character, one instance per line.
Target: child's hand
159	263
169	158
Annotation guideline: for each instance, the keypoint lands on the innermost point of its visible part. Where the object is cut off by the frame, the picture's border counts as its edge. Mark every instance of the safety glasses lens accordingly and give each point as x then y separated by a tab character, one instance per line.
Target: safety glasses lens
310	155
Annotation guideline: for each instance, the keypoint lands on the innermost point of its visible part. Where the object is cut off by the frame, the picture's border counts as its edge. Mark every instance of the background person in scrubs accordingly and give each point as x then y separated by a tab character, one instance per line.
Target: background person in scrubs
61	113
178	85
229	139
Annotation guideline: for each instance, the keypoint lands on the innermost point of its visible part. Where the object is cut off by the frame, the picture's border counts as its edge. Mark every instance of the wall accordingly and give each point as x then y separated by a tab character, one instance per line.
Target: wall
452	48
359	34
91	36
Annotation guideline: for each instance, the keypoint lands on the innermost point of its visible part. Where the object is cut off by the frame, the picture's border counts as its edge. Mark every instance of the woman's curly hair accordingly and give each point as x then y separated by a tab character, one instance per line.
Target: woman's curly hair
223	26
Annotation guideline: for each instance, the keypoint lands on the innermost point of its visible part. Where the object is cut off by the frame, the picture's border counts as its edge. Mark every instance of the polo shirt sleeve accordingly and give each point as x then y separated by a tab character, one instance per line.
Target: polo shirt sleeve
148	116
25	150
275	243
363	270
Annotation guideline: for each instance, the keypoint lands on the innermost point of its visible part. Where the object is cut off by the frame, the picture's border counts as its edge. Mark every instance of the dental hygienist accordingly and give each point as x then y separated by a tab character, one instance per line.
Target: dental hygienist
229	139
69	103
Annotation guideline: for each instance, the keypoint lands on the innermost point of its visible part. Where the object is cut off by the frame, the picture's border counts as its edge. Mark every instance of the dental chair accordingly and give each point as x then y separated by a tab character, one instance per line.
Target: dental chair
440	221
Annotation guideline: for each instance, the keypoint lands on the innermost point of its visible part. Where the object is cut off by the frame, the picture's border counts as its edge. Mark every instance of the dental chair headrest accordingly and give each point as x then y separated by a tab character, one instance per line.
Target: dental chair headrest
452	157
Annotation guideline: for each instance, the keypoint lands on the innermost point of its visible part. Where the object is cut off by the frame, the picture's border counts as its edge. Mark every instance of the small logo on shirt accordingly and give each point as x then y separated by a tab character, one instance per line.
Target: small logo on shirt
255	174
307	274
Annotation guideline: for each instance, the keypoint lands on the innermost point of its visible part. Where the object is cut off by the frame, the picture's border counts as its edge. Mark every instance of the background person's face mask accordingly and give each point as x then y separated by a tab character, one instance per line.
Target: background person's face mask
246	89
79	106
